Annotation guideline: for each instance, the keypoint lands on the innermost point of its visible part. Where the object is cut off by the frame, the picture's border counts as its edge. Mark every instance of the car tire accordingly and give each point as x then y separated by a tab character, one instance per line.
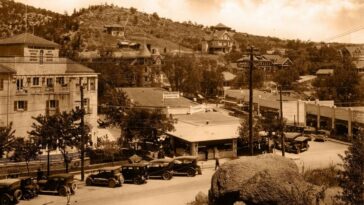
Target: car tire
89	182
73	188
5	199
18	194
28	194
63	191
112	183
191	172
138	181
167	175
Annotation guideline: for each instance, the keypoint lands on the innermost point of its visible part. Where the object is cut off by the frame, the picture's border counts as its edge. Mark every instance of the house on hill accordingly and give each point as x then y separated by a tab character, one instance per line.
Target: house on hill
279	62
115	30
357	54
34	81
221	41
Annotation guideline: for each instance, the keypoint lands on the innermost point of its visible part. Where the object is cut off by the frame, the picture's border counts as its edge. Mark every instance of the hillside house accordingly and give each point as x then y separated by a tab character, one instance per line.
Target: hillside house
115	30
279	62
221	41
34	81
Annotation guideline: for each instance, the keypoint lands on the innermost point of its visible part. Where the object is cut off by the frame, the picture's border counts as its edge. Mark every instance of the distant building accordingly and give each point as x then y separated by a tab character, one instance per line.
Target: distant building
279	62
356	53
322	73
277	51
229	79
115	30
35	80
221	41
260	62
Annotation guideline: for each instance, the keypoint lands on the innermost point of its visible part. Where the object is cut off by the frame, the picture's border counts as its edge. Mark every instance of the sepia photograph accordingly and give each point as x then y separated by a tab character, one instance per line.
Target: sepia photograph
182	102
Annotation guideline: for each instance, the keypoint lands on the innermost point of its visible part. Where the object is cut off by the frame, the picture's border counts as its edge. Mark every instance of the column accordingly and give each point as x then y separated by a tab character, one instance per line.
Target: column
333	118
318	117
235	148
298	112
304	114
350	129
194	148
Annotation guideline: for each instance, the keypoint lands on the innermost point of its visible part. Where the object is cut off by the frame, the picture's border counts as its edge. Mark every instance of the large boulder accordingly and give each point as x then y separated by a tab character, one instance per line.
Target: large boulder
260	180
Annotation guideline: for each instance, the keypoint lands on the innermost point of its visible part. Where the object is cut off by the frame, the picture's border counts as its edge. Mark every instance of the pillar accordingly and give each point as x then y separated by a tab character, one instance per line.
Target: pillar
304	114
298	112
333	118
350	129
235	148
194	148
318	117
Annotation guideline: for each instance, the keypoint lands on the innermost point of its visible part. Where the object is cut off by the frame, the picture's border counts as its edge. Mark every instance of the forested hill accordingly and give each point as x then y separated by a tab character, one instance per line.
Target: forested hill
83	29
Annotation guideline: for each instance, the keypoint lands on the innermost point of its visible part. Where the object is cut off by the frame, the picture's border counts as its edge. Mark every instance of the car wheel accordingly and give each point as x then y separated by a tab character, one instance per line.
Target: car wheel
63	191
191	172
73	188
18	194
138	180
5	199
112	183
167	176
28	194
88	182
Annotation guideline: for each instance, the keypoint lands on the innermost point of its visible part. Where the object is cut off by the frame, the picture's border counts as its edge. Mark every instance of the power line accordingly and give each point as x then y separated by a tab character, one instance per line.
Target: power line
354	30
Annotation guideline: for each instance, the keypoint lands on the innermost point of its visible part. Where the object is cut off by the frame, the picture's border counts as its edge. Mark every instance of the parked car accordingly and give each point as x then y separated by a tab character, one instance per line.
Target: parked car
63	184
10	191
136	173
321	135
298	145
186	165
29	187
309	132
108	176
161	168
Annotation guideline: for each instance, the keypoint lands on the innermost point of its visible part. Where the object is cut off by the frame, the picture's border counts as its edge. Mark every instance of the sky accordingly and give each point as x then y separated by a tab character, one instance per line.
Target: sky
308	20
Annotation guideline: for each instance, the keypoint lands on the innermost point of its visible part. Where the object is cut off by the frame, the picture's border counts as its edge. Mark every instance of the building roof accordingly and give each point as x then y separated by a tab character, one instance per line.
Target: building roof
28	39
113	26
325	72
228	76
153	97
277	59
73	67
358	64
257	94
206	126
6	70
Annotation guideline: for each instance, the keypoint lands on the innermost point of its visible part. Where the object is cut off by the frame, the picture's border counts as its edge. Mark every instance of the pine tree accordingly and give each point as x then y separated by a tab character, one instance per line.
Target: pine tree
352	177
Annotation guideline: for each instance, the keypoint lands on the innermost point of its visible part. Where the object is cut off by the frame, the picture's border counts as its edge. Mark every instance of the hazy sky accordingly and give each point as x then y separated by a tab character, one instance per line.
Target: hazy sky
316	20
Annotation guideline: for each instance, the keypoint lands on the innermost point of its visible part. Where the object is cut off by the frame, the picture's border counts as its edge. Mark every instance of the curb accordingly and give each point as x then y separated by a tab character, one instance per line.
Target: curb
340	142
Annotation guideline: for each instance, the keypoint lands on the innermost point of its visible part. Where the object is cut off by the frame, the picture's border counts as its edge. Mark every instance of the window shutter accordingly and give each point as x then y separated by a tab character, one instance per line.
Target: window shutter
15	105
25	105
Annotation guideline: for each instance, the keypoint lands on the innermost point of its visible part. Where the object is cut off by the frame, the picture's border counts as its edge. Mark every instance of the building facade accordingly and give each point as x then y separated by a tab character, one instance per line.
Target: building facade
221	41
36	81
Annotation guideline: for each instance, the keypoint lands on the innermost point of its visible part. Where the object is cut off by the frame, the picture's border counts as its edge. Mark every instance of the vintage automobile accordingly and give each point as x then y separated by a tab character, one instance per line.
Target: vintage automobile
10	191
108	176
186	165
29	187
298	145
309	132
161	168
321	135
136	173
63	184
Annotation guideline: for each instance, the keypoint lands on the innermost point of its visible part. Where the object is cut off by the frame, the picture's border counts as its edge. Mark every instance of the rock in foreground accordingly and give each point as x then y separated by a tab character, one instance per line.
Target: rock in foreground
260	180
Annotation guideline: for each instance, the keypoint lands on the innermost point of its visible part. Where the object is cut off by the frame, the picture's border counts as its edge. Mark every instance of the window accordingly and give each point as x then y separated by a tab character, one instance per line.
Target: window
49	82
1	84
60	80
92	84
20	105
52	104
19	84
35	81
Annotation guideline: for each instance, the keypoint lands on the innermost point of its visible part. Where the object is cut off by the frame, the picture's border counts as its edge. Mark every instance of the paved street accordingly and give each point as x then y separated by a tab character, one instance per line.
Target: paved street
180	190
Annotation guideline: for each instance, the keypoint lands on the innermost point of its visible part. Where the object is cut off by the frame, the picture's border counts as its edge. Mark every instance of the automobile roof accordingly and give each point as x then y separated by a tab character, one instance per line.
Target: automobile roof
185	157
7	182
61	175
161	160
301	139
110	168
135	165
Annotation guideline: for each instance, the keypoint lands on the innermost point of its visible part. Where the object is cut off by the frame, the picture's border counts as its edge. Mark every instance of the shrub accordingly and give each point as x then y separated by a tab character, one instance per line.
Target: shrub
323	177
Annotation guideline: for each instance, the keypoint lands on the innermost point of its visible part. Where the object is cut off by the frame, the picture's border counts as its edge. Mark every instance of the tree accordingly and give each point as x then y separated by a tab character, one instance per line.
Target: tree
352	176
7	138
26	150
286	77
244	130
60	131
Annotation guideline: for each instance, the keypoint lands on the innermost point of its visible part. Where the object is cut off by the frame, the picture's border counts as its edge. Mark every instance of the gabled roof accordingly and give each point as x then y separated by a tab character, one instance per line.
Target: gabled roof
277	59
6	70
28	39
73	67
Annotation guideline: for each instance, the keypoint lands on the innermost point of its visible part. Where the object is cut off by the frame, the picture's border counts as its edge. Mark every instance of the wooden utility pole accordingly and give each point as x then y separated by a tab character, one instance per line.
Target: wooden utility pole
251	65
82	124
281	121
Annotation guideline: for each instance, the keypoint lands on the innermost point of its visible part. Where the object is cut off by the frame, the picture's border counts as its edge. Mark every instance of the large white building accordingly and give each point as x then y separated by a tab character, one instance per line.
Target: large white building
34	80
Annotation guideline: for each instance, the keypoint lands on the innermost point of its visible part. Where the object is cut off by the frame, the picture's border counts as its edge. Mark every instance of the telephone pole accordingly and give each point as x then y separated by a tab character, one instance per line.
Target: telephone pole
281	121
82	124
251	65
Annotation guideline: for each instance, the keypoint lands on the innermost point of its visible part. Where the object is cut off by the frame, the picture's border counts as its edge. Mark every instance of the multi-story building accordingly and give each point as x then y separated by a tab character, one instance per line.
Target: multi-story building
34	81
220	41
356	53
